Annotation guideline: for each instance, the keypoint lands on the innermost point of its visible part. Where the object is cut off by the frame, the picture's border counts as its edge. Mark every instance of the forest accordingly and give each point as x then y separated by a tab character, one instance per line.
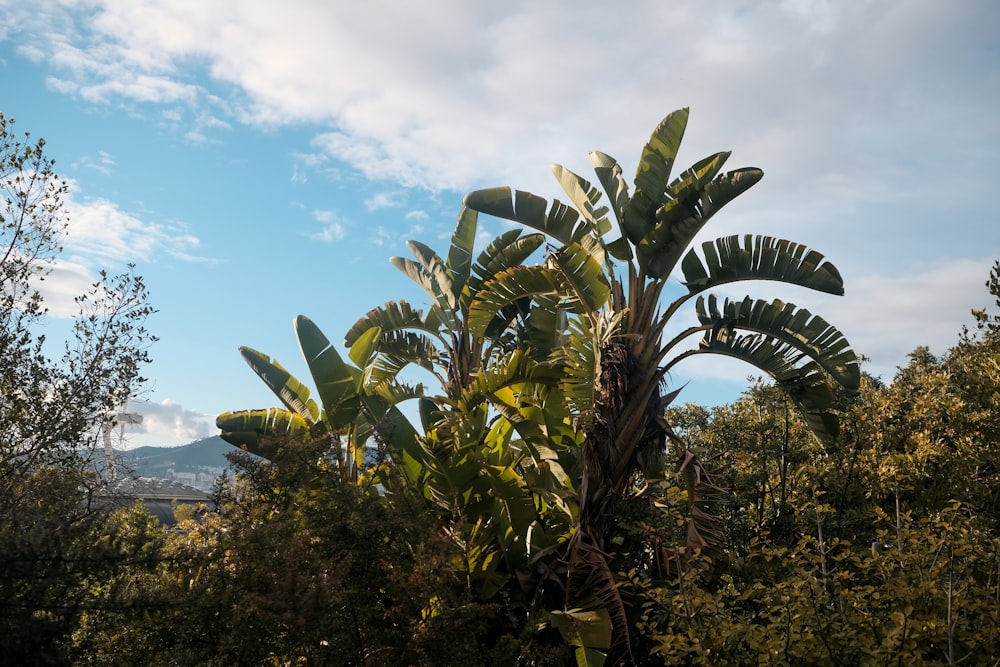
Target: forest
503	474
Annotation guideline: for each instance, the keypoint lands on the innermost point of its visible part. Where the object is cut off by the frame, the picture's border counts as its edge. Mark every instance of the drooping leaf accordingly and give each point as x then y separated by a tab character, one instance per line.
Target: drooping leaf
727	260
609	173
591	579
684	213
293	394
585	197
561	222
390	317
402	348
808	333
582	276
508	250
362	350
336	382
805	383
507	287
261	432
418	274
588	630
436	269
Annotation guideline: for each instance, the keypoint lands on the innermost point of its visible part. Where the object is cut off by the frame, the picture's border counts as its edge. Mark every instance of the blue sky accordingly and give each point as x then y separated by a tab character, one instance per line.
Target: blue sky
258	160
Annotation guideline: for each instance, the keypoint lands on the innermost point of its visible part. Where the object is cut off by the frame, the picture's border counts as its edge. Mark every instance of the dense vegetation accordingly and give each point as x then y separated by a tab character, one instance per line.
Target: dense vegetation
553	506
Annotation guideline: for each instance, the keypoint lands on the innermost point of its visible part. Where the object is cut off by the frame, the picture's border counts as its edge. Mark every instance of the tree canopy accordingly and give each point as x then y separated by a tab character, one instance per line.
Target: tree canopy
551	502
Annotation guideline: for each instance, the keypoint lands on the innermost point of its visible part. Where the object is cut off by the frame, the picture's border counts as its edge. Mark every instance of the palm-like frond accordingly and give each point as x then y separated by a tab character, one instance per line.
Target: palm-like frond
653	174
293	394
391	317
505	251
430	284
585	197
403	348
797	327
261	432
463	239
516	370
759	258
582	276
508	287
336	382
609	173
684	215
435	267
805	383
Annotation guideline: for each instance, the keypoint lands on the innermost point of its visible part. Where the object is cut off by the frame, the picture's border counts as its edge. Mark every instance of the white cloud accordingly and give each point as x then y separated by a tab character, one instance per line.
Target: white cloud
102	233
334	228
381	237
170	419
104	163
887	317
472	92
66	281
874	122
382	200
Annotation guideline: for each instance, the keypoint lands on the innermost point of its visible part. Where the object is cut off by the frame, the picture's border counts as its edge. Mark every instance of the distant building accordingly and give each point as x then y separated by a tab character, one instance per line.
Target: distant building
159	496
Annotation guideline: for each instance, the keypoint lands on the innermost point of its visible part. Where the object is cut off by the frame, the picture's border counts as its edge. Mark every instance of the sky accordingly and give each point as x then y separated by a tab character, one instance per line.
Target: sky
260	160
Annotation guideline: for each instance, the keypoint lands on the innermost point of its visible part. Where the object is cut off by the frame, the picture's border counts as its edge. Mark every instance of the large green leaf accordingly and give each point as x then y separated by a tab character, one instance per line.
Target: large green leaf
727	187
561	223
517	369
336	382
505	251
508	287
582	276
585	197
390	317
402	348
435	267
683	215
653	174
590	631
759	258
808	333
363	349
261	432
805	383
418	274
609	173
392	428
460	254
293	394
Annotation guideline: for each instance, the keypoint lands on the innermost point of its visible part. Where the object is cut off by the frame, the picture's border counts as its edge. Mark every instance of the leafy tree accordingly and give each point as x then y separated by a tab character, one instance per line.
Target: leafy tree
51	410
881	546
347	407
623	361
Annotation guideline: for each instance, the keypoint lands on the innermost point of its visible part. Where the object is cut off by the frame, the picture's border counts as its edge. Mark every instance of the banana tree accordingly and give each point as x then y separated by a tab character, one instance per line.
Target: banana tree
497	437
348	413
619	354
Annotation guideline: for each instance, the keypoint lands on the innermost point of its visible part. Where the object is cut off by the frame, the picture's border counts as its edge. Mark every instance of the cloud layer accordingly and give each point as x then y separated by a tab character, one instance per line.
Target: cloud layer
874	122
442	97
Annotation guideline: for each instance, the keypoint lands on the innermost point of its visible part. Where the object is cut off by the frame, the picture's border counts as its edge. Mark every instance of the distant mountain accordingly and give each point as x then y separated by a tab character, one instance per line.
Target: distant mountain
196	464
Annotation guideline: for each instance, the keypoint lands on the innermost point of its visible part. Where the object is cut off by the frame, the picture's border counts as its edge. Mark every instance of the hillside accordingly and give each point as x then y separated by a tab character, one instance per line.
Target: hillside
196	464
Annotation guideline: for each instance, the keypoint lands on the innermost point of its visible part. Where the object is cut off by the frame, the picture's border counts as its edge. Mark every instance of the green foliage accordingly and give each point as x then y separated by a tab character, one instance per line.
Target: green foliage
615	374
552	508
881	547
58	549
